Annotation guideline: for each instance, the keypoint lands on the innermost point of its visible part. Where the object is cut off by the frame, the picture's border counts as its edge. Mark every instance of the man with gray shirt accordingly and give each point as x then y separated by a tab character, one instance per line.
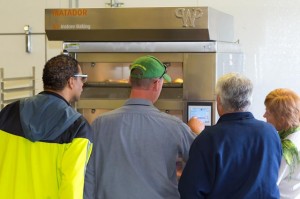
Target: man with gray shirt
136	146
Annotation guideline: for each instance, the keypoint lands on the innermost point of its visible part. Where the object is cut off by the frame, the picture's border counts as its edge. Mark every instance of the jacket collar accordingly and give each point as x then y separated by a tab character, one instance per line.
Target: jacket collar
236	116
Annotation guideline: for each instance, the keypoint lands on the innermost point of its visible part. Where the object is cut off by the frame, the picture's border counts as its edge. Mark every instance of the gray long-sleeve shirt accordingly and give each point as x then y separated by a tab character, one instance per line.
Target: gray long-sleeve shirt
135	152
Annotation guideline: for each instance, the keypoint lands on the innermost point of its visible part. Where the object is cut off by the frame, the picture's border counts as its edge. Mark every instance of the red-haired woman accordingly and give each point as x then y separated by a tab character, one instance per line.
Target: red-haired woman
283	111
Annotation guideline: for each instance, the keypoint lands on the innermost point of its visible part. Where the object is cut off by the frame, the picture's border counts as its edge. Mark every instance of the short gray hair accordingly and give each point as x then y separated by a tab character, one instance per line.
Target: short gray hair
235	92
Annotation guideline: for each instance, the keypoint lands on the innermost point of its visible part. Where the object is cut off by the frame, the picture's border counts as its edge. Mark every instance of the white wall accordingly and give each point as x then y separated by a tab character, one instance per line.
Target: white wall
14	15
268	31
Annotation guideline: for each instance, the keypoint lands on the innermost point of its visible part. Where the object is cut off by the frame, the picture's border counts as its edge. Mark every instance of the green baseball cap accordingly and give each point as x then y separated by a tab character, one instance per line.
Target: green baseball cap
150	67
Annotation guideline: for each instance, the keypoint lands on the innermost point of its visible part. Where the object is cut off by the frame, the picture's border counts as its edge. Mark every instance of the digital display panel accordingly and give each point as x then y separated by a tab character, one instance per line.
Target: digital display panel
201	110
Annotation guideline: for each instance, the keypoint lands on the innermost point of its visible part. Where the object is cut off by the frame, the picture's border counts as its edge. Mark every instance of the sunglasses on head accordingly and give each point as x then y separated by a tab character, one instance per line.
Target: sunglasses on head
165	71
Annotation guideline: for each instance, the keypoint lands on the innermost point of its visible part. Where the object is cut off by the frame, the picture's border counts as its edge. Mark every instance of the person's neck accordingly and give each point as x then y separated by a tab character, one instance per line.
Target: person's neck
141	94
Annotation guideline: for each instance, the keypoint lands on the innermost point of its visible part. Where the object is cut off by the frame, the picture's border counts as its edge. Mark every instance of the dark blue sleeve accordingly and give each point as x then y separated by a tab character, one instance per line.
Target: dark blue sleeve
10	119
197	176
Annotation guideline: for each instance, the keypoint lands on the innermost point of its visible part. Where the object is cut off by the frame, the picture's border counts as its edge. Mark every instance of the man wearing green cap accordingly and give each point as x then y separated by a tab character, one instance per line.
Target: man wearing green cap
136	146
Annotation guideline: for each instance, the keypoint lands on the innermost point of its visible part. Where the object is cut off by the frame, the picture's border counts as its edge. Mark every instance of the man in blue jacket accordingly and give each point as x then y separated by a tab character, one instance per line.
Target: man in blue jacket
239	157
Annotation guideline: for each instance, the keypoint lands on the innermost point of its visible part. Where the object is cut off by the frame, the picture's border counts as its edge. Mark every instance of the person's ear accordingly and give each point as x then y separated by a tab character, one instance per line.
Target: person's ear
281	123
129	81
219	106
156	84
218	99
71	82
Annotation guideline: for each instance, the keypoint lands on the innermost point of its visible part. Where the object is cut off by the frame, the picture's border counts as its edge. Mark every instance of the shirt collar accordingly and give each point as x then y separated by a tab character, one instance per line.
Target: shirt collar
55	94
138	101
235	116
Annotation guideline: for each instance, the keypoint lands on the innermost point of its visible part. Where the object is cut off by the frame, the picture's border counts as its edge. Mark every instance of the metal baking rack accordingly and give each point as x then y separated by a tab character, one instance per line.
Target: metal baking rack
16	88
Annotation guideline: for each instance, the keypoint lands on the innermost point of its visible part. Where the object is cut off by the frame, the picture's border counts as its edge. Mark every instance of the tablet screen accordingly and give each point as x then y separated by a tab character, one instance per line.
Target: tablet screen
202	110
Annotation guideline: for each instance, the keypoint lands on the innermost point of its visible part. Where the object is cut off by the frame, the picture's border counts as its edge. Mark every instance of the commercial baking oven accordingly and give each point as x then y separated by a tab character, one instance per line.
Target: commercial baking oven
196	43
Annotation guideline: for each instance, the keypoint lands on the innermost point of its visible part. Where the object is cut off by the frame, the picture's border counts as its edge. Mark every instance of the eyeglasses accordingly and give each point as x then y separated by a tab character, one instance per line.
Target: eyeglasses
165	71
83	77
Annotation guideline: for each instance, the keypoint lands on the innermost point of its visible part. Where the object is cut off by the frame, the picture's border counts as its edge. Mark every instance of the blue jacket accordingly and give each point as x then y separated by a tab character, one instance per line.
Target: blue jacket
239	157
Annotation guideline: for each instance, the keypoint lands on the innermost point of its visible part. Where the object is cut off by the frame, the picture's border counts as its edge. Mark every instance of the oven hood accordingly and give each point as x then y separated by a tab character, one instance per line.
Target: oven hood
171	24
